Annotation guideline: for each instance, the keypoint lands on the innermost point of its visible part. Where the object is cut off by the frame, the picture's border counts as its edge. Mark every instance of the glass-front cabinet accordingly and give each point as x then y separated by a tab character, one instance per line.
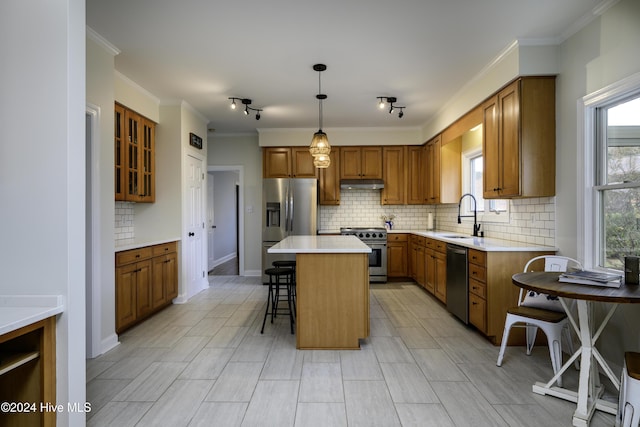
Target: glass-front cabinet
134	156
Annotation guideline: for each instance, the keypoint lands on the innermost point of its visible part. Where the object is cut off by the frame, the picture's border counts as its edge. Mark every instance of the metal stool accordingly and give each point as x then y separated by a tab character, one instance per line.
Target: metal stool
274	298
292	265
629	401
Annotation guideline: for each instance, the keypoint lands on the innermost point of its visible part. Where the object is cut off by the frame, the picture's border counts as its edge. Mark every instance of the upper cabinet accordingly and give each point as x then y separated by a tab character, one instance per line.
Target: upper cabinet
287	162
394	176
329	180
415	174
443	171
360	162
519	140
134	156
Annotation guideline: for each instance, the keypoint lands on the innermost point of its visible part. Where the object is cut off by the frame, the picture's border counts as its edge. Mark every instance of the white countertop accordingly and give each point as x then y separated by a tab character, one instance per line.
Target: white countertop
17	311
486	244
141	244
319	244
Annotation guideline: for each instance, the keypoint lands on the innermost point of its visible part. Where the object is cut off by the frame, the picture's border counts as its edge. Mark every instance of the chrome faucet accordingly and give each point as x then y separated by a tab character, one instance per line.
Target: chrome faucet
476	226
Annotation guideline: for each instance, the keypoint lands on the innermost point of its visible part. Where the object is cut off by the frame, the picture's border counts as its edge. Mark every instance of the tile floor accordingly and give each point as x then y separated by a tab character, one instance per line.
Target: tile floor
205	363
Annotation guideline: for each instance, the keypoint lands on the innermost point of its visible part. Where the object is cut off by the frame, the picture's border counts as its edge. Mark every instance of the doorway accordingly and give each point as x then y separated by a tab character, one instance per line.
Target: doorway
225	216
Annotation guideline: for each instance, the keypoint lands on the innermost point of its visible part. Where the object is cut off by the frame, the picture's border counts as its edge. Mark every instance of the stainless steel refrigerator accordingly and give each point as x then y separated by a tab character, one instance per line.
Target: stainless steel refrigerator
289	208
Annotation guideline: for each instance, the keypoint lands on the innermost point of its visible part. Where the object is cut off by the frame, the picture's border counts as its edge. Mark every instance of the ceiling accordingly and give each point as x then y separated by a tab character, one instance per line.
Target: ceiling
422	52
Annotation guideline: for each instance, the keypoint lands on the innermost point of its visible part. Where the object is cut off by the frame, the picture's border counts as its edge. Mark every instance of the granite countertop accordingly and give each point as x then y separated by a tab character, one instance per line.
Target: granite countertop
141	244
17	311
320	244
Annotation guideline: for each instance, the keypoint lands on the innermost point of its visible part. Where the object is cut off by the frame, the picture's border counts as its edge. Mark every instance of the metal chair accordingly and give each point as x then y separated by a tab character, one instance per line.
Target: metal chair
542	311
629	400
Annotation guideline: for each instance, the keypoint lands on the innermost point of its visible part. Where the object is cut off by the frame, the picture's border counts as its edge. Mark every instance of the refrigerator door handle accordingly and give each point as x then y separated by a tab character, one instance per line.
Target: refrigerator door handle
291	212
286	210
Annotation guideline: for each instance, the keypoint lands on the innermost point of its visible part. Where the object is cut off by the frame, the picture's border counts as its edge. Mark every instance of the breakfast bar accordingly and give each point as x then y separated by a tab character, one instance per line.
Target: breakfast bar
332	281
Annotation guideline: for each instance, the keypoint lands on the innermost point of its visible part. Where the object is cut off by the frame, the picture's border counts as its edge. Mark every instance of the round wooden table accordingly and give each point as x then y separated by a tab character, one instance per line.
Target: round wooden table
587	397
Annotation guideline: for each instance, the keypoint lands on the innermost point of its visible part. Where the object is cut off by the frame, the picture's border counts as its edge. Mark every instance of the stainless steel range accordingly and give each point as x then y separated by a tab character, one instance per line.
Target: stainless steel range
376	239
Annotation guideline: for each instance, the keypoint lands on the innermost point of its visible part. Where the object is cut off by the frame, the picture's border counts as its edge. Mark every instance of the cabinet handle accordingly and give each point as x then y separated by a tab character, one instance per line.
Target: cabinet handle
166	261
138	256
474	303
473	273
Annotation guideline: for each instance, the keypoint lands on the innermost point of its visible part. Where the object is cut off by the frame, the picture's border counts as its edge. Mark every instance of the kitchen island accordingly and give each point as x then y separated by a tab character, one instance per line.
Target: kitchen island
332	281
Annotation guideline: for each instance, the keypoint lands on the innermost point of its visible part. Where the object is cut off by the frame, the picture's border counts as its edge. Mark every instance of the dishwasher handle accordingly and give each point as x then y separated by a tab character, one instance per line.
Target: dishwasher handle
456	250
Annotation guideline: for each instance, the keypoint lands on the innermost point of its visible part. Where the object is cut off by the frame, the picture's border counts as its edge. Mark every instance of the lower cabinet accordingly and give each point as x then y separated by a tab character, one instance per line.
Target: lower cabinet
436	268
397	255
146	281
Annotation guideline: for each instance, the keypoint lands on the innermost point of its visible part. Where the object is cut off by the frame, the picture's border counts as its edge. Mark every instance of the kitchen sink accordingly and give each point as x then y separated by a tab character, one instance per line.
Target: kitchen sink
456	237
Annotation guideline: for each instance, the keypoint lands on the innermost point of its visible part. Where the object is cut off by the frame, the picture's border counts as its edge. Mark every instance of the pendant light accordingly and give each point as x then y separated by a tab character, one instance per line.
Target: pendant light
320	147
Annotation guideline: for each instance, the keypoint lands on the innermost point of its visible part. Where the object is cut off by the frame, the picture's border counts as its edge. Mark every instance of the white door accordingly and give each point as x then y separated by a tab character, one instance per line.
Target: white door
210	223
195	274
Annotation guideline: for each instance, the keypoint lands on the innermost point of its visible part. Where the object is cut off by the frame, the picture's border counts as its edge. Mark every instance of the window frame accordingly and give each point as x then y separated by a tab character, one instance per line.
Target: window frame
590	130
486	215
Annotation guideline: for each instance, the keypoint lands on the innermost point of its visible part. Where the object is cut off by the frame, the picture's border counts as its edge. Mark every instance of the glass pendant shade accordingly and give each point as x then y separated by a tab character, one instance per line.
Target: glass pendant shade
320	144
321	161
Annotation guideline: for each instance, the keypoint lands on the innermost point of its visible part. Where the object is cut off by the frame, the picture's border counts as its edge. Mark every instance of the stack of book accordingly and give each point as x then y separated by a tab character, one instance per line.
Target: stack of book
595	278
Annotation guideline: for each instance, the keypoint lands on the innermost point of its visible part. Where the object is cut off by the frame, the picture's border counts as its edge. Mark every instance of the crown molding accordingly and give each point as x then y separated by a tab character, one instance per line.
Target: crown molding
104	43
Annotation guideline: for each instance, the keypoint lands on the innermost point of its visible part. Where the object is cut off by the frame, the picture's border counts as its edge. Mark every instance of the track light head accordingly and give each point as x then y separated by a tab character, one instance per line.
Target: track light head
401	113
391	100
247	108
258	115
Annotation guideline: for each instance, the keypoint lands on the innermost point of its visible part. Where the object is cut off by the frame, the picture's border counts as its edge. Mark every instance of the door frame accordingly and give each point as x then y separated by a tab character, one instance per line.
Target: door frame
93	241
240	232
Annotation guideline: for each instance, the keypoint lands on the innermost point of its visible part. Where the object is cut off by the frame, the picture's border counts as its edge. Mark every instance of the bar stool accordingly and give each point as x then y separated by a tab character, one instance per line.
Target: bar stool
273	299
292	265
629	401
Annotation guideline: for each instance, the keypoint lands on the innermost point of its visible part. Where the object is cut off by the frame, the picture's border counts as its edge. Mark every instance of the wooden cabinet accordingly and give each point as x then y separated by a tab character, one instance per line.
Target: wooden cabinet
28	374
360	162
418	261
519	140
491	292
443	171
394	176
436	268
397	255
134	154
287	162
146	280
416	174
329	180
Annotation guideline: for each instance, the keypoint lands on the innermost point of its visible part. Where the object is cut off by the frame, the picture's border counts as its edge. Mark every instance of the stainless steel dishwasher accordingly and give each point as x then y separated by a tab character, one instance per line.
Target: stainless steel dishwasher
457	282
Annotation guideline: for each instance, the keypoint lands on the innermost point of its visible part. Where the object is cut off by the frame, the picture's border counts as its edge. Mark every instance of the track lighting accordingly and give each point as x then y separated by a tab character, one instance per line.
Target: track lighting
391	100
246	102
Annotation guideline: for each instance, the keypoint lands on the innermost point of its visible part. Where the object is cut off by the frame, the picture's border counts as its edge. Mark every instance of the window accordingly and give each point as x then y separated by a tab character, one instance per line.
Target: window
488	210
617	181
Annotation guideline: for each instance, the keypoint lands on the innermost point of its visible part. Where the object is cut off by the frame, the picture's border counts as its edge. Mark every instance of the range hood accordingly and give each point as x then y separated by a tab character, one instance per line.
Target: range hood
361	184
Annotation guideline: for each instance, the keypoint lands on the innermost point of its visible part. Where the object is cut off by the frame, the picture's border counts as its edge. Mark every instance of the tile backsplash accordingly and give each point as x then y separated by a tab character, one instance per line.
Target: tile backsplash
124	232
531	220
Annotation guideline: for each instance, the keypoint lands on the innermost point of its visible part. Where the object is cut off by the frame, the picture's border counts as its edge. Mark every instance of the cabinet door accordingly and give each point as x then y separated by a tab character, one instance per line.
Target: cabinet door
302	163
126	277
440	276
432	163
170	276
420	266
478	312
490	149
415	179
350	159
430	271
329	180
393	173
276	162
397	259
158	292
119	150
144	303
132	155
509	137
413	250
147	190
371	163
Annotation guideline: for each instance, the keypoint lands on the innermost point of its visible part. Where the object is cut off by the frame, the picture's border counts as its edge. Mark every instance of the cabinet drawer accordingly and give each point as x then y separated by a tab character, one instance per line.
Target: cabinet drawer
477	257
164	248
477	272
396	237
429	243
440	246
478	312
127	257
478	288
417	240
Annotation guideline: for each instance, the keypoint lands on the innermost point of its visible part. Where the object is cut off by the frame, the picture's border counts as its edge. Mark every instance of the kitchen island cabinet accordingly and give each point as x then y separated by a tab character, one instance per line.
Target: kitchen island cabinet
332	288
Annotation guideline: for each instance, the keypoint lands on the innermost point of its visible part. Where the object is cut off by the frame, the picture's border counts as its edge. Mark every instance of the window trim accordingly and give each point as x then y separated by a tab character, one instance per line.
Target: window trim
486	215
588	218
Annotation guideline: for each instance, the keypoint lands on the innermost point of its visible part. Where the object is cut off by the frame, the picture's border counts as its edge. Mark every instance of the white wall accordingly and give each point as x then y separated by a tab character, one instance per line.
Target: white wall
42	174
600	54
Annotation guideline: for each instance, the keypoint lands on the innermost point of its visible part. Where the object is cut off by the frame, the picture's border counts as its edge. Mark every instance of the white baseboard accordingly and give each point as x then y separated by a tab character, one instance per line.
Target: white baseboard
252	273
224	259
109	343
